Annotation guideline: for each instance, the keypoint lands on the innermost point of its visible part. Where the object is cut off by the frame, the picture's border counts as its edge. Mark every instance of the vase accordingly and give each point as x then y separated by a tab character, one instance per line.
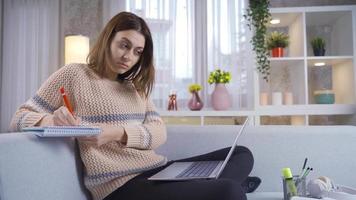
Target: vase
220	98
277	98
195	103
277	52
264	98
288	98
319	52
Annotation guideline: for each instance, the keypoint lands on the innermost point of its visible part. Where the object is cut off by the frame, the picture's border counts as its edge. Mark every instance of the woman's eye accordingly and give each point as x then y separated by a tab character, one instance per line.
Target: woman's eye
124	45
138	53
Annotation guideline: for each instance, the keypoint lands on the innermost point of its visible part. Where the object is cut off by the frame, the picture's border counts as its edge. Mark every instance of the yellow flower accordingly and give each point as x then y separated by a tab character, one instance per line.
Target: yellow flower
194	87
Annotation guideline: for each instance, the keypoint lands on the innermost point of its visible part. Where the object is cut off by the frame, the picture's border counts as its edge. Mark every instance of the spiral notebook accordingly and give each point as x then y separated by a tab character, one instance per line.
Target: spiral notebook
63	131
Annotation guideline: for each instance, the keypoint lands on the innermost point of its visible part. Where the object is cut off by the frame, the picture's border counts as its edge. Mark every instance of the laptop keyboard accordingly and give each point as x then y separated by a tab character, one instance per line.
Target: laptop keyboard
199	169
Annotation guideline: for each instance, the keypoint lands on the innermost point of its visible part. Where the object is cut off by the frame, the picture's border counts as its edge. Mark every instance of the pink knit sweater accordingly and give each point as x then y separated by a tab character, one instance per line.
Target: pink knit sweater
98	100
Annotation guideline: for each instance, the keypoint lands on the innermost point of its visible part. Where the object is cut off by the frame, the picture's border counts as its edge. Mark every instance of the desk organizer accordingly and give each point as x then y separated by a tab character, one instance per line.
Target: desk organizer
300	184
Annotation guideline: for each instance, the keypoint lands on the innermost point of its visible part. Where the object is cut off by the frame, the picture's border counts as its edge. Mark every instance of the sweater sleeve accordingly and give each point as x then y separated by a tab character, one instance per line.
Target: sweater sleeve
148	135
45	101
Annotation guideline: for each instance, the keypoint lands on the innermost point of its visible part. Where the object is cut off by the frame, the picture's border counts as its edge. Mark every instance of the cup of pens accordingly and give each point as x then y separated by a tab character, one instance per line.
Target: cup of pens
294	187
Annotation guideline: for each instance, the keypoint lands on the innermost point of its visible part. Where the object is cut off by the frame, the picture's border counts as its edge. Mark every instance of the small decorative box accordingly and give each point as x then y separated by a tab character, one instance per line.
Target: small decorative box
324	97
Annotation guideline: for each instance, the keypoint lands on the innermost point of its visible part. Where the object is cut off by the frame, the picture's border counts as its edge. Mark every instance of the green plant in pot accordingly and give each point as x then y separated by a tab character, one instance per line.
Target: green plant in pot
276	42
318	45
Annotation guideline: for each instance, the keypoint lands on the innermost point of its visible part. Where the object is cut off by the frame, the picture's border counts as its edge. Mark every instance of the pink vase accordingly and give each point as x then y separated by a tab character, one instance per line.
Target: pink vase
195	102
220	97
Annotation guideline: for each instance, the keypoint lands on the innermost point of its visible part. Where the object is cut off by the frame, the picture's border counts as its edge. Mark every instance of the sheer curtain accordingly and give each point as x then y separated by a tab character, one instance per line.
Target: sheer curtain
192	38
172	30
229	48
30	51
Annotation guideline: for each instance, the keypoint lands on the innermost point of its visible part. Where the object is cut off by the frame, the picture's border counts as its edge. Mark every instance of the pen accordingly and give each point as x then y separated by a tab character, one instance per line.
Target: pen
307	172
303	175
66	100
305	163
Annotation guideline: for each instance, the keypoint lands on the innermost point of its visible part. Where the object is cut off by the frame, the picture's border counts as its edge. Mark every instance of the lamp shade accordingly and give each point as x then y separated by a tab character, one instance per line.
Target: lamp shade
76	49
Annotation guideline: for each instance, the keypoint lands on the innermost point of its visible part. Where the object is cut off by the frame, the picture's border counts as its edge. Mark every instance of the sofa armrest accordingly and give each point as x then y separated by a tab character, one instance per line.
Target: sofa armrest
34	168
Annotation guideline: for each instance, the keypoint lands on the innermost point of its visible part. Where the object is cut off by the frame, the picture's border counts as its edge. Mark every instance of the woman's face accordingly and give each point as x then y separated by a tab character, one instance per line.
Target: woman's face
126	49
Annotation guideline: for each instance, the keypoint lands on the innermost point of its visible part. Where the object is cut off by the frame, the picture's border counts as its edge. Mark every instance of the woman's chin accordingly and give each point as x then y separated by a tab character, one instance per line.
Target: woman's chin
121	71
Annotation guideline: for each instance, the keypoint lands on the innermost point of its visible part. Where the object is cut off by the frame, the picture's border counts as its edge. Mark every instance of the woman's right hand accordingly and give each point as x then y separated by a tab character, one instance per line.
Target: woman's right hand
60	117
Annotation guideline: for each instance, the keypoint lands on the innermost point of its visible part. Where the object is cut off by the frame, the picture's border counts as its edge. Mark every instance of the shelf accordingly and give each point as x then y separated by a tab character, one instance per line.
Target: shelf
284	110
337	74
288	18
291	23
325	18
313	109
329	60
335	27
205	113
285	59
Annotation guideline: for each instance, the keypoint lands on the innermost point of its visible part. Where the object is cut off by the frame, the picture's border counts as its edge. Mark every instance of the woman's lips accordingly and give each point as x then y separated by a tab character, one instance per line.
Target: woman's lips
122	65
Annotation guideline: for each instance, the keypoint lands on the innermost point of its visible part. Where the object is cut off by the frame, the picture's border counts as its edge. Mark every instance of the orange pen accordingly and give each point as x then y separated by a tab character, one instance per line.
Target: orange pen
66	100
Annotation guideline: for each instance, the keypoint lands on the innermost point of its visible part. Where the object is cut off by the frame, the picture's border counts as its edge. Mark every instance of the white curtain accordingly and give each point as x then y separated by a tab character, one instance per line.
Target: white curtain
192	38
229	48
172	27
30	51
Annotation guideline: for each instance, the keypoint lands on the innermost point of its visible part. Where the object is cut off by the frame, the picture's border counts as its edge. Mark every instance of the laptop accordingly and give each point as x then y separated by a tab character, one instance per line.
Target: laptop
180	171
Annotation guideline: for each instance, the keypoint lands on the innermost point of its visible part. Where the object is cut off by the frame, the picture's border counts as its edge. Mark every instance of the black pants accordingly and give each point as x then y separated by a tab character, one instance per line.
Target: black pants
227	187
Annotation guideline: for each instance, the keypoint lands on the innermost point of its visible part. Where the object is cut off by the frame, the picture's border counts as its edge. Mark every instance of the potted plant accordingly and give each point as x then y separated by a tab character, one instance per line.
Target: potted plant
220	97
195	103
258	16
277	41
318	45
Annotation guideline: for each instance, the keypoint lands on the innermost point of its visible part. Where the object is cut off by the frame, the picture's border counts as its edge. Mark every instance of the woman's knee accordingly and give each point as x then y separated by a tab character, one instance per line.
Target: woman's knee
242	150
244	156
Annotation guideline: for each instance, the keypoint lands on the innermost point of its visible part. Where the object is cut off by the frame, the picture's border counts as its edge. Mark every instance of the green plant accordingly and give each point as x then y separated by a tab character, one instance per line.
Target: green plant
258	16
318	43
219	76
194	87
277	39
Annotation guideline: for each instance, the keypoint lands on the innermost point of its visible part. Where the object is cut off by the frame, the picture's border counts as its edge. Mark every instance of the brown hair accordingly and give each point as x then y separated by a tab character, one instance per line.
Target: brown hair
142	73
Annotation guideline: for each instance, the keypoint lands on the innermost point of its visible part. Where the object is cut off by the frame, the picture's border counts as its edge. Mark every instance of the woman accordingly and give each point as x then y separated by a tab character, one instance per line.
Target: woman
112	91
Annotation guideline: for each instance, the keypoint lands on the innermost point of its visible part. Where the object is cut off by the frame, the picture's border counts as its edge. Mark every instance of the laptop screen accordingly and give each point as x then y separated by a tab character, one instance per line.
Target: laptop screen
232	148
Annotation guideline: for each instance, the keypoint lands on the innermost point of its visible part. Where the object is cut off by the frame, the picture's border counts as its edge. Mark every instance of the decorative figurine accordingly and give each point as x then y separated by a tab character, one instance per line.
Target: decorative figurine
172	102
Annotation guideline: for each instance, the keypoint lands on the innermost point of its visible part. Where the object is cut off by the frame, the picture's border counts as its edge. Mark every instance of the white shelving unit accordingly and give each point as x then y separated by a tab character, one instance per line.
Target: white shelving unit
336	24
295	72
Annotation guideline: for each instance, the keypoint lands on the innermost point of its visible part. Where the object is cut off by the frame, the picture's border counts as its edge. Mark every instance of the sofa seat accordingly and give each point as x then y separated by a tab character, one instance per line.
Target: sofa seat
265	196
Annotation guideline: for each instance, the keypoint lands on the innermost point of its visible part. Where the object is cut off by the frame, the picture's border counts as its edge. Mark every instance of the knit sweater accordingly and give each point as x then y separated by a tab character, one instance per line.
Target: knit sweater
97	100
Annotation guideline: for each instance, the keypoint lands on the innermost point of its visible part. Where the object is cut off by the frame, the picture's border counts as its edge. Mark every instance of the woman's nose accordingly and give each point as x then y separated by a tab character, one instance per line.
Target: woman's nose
126	55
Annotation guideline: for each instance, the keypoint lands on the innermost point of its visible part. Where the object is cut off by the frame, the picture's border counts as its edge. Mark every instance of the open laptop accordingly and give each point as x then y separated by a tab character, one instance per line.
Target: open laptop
179	171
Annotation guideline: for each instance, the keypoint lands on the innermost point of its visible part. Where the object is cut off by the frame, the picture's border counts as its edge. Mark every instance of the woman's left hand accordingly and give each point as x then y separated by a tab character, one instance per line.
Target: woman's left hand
108	134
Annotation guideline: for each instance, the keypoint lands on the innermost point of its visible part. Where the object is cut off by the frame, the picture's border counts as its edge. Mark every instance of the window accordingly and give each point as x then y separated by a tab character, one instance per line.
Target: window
192	38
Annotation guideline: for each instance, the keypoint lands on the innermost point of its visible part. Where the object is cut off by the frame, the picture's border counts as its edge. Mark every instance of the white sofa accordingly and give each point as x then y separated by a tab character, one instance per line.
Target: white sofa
35	168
